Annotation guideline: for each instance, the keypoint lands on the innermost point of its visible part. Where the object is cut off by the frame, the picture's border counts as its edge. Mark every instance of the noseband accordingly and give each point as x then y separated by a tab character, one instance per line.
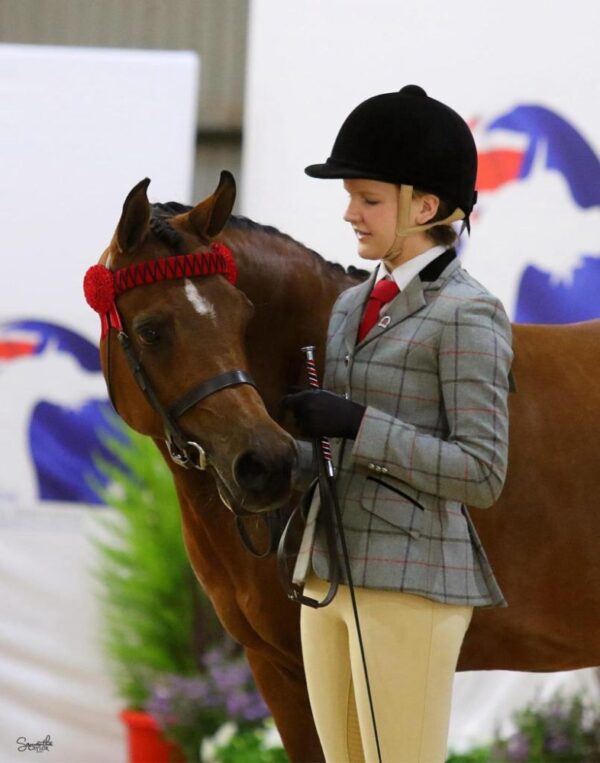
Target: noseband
102	287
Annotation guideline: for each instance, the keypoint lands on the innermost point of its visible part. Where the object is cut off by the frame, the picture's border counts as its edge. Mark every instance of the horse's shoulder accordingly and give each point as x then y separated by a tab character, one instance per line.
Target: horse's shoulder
585	333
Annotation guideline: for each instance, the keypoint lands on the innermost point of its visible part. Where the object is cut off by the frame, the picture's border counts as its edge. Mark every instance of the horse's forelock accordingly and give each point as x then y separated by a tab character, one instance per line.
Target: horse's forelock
161	227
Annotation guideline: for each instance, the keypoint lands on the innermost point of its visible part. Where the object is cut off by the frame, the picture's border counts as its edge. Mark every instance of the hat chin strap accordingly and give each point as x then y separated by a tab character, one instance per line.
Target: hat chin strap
403	227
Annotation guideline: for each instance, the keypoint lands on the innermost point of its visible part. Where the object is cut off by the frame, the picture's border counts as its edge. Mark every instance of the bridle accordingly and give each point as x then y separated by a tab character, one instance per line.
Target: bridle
102	287
186	453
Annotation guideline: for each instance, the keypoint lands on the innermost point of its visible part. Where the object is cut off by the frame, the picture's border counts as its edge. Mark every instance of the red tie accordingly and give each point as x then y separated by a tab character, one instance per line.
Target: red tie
383	292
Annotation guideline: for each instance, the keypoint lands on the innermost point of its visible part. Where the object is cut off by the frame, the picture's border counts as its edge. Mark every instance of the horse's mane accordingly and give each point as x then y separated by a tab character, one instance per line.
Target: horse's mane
159	224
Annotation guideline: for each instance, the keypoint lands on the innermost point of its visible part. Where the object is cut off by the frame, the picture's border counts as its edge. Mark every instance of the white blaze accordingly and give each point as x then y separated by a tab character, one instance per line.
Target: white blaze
200	304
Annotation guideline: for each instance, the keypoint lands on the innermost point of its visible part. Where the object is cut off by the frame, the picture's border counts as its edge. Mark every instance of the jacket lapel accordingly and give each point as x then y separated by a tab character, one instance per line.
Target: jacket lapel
356	311
401	307
407	303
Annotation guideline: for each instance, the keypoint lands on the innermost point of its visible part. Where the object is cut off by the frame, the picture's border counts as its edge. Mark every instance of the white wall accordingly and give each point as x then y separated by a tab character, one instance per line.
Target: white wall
78	128
310	63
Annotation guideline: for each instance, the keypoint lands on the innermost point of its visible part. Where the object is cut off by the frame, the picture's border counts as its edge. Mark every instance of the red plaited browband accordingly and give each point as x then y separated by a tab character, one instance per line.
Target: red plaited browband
101	286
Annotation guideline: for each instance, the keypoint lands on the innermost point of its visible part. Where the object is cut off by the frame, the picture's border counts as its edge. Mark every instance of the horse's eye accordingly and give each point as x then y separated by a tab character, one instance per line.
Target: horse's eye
148	334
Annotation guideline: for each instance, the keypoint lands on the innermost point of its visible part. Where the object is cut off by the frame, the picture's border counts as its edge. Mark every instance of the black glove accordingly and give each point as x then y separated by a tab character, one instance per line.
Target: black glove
319	413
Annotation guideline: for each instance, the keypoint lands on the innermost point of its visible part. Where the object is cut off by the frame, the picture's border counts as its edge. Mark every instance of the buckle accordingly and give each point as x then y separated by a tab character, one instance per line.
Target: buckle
182	457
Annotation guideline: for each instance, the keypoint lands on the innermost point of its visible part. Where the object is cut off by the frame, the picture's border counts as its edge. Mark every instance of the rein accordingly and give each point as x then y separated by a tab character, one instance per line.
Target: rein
102	287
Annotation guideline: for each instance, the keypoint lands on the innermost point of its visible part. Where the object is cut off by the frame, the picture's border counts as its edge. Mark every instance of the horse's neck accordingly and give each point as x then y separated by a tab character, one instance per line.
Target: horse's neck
210	534
293	291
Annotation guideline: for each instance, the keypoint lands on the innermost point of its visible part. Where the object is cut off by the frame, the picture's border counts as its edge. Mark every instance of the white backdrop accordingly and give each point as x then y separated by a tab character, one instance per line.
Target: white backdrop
525	76
78	128
310	63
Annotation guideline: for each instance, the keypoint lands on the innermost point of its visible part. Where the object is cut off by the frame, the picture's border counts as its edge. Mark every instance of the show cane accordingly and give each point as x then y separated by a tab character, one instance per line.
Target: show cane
313	381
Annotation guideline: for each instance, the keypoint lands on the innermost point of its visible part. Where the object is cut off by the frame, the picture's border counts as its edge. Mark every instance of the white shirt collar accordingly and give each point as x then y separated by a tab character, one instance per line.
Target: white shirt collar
403	274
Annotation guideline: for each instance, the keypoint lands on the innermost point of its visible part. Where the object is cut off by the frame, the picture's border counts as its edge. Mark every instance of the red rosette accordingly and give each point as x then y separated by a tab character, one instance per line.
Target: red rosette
224	251
99	289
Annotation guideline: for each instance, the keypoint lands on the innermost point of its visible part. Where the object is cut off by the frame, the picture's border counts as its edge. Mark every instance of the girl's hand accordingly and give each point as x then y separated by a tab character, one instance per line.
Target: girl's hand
320	413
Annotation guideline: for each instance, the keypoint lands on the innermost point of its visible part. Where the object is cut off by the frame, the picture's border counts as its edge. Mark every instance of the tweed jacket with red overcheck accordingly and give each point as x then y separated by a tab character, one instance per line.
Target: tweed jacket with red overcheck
433	440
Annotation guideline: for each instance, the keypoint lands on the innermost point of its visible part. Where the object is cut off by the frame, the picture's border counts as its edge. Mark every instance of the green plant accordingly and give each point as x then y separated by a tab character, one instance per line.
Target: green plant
560	730
475	755
157	620
231	744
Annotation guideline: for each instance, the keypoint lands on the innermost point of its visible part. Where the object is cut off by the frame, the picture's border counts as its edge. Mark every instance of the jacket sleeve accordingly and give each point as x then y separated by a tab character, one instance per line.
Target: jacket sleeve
469	465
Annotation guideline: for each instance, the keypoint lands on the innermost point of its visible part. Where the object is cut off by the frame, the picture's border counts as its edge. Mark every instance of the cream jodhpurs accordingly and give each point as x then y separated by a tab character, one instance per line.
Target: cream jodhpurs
411	646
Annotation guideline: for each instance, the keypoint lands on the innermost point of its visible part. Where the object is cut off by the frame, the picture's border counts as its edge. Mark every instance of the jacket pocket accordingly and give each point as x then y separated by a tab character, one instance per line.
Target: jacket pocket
393	505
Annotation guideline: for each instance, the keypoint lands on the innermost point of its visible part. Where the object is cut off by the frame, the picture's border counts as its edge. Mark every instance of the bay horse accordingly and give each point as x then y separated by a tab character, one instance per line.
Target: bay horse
541	536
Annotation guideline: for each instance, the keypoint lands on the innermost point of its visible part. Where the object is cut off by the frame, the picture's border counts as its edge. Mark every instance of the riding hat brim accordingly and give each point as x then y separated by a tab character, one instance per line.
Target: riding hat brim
332	170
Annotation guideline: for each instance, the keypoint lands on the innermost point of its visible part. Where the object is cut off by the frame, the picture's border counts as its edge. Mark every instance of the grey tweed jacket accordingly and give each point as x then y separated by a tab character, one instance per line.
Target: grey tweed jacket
434	437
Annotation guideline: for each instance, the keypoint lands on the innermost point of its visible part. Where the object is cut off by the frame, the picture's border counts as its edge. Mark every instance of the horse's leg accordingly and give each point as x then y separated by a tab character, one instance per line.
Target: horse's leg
275	657
286	695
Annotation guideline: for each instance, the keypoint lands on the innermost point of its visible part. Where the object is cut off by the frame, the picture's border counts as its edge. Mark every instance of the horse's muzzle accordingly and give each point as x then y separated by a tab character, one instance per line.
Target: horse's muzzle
264	478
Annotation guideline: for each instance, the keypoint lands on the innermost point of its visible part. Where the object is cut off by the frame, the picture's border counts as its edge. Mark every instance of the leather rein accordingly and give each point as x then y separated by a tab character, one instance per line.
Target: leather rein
101	288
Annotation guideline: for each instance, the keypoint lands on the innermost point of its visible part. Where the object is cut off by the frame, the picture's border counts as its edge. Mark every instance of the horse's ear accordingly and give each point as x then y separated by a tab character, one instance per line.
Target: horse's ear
135	217
209	217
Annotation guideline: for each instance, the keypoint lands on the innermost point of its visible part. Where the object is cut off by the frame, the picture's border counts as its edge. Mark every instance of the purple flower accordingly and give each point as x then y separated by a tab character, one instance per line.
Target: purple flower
246	706
232	676
517	748
558	711
160	703
256	709
213	657
558	743
176	700
197	690
224	689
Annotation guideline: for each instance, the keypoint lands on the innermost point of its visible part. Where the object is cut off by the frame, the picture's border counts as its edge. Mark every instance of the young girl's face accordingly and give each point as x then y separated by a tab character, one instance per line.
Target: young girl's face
372	211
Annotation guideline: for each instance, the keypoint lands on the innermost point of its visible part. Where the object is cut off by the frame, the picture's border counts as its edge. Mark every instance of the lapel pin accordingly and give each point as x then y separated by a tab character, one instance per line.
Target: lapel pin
384	322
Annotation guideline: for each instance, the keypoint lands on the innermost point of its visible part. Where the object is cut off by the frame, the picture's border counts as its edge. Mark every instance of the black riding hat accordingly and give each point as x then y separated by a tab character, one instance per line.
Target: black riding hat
406	138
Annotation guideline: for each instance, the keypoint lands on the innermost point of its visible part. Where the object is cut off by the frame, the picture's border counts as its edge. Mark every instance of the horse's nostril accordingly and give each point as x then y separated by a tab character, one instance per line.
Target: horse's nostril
257	475
250	472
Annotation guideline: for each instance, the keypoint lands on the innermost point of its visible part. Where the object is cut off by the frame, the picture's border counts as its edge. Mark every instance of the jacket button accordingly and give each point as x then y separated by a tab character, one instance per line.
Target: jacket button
347	359
372	466
384	470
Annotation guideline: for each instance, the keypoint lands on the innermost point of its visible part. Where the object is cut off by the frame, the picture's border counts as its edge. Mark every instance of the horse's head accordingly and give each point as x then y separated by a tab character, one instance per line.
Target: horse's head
181	322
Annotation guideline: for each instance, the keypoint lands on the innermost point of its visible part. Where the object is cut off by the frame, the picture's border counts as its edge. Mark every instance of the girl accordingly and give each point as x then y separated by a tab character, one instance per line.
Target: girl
415	397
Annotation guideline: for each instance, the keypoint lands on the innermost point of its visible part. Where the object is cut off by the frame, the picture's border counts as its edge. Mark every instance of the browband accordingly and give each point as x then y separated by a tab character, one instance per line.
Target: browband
102	286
